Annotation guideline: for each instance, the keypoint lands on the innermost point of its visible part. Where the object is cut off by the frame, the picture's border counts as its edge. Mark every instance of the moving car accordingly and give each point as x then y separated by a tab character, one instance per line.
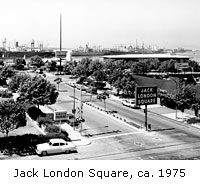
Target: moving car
130	103
55	145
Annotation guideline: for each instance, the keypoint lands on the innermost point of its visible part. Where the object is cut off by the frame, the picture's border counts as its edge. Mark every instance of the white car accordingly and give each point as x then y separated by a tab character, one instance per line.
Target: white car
130	103
56	145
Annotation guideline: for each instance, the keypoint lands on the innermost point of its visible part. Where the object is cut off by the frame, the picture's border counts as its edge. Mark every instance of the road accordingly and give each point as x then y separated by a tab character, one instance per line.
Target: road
112	138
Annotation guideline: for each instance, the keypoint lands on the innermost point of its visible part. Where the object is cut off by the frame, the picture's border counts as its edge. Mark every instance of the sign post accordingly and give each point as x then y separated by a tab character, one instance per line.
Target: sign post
181	66
146	96
61	54
60	115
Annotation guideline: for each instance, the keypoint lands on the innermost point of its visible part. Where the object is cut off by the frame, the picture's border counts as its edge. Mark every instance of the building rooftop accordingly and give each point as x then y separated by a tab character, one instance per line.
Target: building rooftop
146	56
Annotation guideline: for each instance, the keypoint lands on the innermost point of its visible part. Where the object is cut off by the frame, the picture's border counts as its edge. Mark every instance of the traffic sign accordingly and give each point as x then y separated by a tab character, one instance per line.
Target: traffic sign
184	65
61	54
60	115
146	95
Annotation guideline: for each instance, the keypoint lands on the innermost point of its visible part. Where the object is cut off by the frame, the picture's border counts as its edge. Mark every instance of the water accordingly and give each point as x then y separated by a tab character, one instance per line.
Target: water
195	55
79	58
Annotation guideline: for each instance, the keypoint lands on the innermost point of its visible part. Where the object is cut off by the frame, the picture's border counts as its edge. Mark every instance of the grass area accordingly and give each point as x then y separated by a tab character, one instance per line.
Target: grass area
168	85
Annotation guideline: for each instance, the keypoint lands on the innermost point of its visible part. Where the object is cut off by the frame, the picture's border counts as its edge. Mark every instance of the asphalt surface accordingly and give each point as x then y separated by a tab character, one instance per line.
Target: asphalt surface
112	138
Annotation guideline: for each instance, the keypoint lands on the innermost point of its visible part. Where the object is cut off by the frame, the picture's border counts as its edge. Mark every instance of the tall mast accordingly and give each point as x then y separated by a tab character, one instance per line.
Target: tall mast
60	39
60	32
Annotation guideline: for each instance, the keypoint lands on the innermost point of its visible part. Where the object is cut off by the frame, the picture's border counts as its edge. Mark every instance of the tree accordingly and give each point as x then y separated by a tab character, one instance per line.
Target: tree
2	81
94	66
67	69
20	63
99	75
1	63
195	107
36	61
52	66
154	64
18	80
194	65
140	67
126	84
80	71
186	97
7	72
129	85
114	76
82	68
38	91
12	116
163	67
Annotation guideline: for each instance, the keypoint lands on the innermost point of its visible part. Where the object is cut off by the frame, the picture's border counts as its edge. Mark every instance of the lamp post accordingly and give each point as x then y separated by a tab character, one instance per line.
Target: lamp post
81	111
176	95
74	110
60	39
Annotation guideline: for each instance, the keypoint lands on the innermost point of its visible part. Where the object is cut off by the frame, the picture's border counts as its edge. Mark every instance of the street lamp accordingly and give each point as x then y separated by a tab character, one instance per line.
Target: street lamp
74	110
176	94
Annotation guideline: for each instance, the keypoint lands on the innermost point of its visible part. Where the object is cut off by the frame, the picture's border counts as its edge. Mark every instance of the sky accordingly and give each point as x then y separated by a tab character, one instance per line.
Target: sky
105	23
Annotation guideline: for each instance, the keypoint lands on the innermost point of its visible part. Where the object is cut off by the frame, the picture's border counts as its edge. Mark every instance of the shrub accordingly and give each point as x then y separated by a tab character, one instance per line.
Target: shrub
52	128
193	120
25	144
34	112
44	121
168	101
5	94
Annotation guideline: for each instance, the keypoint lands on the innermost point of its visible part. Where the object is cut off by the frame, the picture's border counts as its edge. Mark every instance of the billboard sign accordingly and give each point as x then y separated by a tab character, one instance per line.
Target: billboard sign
61	54
60	115
181	65
146	95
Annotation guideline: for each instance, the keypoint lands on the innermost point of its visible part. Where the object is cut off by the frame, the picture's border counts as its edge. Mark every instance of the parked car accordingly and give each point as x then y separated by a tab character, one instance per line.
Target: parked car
56	145
130	103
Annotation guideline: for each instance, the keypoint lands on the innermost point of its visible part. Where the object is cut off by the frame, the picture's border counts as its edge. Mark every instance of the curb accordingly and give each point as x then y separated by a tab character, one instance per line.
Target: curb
117	117
177	122
78	140
122	119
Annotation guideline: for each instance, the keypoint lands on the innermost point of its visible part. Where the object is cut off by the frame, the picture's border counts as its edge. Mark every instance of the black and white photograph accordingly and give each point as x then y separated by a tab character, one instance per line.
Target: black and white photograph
100	80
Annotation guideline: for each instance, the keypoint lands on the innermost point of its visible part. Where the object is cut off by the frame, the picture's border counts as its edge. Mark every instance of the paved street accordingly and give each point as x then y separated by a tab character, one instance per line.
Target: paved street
112	138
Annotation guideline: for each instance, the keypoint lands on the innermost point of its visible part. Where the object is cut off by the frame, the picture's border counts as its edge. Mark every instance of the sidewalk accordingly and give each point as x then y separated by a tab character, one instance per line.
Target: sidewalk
75	136
171	113
177	116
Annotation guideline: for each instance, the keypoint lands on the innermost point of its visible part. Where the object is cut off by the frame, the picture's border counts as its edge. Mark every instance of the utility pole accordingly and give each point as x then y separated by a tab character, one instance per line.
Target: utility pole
81	110
146	124
60	39
176	96
74	110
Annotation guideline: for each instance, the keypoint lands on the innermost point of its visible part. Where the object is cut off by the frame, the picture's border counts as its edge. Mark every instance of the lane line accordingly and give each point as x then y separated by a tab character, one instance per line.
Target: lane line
116	135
